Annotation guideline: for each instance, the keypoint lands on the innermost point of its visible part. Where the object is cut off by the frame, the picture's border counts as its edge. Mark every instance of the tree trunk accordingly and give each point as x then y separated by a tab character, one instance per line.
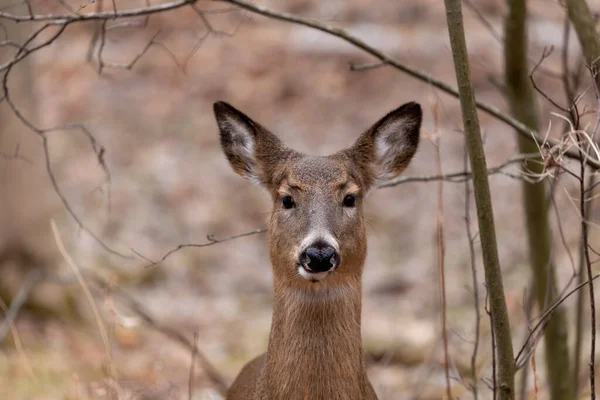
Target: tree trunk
583	21
485	216
522	100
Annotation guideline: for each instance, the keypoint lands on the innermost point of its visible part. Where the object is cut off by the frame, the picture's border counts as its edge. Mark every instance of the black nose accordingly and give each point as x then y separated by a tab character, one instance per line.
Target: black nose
319	257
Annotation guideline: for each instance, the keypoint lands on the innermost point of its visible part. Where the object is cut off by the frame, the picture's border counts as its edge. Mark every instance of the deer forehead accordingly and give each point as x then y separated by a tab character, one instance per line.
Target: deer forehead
318	173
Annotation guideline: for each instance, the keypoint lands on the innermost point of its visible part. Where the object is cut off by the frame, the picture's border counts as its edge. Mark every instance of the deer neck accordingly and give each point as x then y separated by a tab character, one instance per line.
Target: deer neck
315	347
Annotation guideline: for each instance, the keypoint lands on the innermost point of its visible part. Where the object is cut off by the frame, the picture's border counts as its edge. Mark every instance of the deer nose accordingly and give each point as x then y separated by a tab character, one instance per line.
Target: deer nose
319	257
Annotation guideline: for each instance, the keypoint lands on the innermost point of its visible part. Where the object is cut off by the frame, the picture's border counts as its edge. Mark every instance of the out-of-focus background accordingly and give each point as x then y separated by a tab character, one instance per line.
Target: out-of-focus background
170	184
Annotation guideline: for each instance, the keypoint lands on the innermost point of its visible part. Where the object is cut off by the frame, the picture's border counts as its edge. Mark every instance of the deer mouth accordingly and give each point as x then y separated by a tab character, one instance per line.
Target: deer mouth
312	276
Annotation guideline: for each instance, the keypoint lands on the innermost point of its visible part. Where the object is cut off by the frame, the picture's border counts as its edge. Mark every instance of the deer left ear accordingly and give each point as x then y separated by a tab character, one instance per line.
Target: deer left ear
252	151
388	146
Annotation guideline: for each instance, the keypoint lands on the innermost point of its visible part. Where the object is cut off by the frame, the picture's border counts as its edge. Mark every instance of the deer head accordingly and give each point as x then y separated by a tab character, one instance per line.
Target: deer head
317	233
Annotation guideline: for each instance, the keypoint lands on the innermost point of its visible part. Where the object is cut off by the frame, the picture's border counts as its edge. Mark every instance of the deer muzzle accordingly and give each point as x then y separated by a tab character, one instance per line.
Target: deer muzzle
317	260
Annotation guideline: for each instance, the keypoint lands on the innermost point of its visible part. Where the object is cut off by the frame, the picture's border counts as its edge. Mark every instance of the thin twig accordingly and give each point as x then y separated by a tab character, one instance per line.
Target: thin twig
134	61
129	24
170	54
194	49
545	54
543	318
102	39
364	67
211	241
456	177
67	205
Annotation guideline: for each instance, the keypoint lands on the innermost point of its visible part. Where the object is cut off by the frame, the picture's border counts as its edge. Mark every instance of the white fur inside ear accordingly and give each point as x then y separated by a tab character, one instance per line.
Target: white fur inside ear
391	144
241	137
382	149
243	146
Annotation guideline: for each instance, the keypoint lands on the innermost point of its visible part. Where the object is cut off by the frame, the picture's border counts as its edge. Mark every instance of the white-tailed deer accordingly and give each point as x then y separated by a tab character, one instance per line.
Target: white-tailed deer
317	246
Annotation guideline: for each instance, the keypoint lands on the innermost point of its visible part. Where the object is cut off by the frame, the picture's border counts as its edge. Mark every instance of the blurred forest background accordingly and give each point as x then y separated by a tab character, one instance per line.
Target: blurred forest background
169	184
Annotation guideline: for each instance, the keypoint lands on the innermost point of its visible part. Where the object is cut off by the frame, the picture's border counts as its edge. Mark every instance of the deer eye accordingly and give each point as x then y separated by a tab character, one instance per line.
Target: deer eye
288	202
349	200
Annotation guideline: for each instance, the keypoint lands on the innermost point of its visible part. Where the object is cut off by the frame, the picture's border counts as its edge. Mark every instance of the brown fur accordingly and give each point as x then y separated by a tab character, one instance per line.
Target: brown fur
315	350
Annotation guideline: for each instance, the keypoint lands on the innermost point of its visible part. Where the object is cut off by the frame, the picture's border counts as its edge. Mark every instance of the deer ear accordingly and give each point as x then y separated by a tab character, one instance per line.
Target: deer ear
251	150
385	150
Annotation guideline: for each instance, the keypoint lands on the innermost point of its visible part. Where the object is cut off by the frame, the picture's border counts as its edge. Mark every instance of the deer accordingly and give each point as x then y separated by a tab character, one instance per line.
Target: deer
317	248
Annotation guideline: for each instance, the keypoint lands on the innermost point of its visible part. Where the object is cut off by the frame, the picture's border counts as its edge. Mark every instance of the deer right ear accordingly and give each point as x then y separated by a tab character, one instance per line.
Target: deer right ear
388	146
249	148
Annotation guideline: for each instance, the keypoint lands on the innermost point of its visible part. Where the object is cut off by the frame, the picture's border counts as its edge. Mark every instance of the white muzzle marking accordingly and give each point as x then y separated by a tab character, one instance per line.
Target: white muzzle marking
312	276
313	237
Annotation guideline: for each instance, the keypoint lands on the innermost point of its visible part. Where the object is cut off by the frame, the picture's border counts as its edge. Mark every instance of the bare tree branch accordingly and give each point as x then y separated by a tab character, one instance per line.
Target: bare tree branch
103	15
102	39
133	62
543	320
457	177
521	128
